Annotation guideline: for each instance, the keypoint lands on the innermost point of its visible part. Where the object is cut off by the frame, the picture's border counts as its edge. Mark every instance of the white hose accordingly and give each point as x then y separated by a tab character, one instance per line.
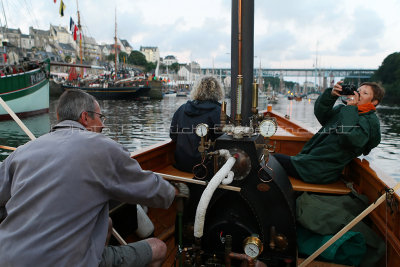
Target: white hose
208	193
228	179
225	153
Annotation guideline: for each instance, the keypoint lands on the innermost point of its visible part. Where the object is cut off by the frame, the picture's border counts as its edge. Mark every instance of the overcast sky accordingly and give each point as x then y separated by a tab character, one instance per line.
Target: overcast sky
288	33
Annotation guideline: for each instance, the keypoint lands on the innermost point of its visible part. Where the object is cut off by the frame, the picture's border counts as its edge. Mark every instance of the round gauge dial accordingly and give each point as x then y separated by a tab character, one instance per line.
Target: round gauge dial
268	127
252	247
251	250
202	129
228	128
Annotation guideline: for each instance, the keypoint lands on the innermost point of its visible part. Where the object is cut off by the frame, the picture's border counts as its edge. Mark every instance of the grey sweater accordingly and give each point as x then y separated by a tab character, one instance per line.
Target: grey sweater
54	194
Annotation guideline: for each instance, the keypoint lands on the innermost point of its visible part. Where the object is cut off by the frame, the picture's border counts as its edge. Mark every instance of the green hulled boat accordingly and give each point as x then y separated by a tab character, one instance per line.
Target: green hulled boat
25	89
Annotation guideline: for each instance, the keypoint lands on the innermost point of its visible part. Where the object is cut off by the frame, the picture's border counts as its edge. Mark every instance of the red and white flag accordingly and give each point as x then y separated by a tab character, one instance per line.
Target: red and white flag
75	31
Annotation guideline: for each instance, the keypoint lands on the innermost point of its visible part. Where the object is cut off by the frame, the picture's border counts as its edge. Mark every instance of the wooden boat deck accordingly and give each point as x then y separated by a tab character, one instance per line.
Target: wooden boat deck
288	140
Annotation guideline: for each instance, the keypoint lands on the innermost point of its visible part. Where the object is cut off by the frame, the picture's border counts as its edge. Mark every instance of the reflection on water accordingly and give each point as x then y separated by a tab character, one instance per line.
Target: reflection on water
12	135
139	124
300	111
387	153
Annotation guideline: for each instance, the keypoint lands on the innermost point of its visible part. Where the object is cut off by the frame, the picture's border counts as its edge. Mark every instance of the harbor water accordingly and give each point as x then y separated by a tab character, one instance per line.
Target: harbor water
138	124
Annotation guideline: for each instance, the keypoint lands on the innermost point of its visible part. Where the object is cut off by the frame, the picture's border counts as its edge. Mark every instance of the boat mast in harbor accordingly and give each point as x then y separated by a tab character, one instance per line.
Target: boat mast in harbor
80	39
115	45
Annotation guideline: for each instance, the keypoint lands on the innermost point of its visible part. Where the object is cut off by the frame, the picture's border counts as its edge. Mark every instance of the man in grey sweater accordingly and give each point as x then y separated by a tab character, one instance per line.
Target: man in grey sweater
54	194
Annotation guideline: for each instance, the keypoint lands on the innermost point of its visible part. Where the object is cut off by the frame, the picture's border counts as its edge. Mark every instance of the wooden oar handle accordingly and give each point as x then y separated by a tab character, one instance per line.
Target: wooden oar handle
17	120
118	237
193	181
8	147
345	229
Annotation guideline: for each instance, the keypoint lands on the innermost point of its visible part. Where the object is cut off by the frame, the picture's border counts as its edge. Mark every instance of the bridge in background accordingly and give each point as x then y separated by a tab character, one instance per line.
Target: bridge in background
320	73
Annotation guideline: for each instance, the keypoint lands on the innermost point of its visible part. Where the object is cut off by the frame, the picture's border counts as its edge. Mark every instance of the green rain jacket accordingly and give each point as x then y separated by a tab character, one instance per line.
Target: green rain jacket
344	135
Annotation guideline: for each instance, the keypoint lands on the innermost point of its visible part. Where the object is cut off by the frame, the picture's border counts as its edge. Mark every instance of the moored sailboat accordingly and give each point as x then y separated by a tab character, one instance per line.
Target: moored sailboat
25	88
24	84
108	87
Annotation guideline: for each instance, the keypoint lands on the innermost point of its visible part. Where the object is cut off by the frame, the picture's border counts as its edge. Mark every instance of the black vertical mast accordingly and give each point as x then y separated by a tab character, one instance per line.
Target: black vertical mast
247	55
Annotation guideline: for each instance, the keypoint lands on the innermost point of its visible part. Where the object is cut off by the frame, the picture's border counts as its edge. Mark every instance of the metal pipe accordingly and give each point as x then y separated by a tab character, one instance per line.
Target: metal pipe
240	37
243	257
254	102
239	94
239	88
228	250
223	116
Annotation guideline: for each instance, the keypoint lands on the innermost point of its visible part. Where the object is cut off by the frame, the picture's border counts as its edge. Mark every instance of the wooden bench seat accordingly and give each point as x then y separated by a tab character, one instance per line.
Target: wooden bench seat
338	187
171	170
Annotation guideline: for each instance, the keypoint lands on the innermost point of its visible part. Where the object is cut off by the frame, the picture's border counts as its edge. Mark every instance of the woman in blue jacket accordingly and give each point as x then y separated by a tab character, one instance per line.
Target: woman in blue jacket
203	108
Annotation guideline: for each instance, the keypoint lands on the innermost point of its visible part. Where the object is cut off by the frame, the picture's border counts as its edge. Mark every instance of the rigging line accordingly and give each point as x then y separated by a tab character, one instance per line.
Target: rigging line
30	8
85	26
4	14
20	7
12	8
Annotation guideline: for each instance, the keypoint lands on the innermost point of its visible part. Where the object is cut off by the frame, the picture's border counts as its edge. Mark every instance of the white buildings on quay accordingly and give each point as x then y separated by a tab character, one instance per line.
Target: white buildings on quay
58	44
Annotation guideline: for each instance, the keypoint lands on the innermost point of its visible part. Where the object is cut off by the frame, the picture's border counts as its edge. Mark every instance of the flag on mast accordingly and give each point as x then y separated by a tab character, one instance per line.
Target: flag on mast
71	24
75	31
62	7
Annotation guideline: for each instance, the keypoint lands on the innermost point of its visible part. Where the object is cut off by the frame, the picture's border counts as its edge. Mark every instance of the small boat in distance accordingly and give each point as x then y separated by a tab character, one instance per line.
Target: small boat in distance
109	86
103	88
181	93
109	90
25	88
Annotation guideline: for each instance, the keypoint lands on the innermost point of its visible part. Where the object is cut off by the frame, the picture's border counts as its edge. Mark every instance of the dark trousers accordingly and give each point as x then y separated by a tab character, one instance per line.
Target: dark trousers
286	163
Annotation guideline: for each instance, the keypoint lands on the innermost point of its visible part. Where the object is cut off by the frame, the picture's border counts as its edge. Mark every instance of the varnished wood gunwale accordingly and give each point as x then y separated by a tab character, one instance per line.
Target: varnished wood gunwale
365	179
371	182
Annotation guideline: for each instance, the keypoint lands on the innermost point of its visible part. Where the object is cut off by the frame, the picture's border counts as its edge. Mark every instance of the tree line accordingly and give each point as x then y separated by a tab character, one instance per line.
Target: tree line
389	75
138	59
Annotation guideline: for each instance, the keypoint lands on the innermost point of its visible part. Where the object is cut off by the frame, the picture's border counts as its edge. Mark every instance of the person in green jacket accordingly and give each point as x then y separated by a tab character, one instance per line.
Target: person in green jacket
347	132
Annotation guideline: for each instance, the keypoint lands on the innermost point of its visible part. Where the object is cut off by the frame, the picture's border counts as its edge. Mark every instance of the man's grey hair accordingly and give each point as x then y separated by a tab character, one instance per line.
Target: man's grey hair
208	88
73	102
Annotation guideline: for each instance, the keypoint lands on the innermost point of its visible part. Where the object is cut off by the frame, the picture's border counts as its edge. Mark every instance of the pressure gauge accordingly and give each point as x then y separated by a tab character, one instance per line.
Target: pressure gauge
228	128
252	246
202	129
268	127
